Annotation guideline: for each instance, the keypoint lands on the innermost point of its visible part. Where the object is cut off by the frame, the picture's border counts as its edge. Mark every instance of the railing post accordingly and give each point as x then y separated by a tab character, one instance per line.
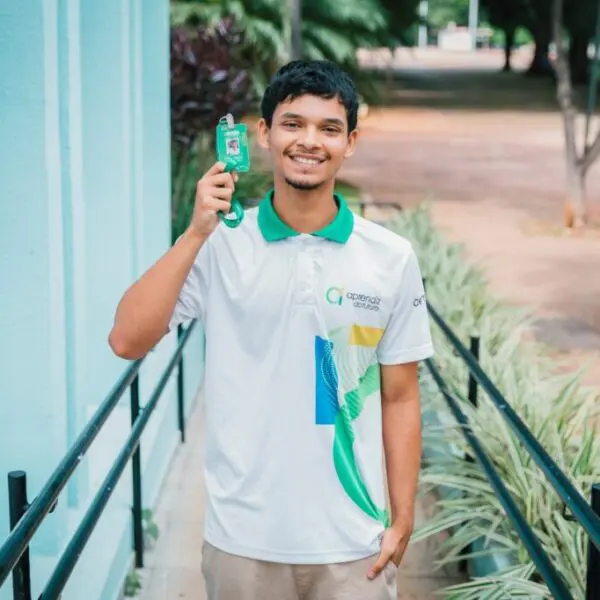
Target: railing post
472	396
180	391
593	568
472	380
18	504
138	534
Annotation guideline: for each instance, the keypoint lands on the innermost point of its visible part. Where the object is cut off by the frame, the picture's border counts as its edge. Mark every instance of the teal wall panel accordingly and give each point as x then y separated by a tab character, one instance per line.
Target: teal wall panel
32	309
84	210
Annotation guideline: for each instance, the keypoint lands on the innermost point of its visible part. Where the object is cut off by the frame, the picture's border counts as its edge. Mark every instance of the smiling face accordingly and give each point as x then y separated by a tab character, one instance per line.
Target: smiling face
308	140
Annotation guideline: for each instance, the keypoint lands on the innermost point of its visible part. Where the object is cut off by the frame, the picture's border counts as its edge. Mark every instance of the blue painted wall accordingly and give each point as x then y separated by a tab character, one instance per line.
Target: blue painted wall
84	210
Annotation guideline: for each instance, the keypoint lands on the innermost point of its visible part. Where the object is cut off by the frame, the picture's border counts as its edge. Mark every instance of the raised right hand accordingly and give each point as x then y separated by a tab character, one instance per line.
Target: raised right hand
213	194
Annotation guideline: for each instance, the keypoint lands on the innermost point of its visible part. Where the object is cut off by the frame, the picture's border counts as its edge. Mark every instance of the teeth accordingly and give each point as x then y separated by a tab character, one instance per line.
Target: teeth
307	161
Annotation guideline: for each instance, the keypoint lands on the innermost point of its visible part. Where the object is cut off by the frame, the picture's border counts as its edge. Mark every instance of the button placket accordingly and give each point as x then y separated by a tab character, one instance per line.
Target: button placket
306	273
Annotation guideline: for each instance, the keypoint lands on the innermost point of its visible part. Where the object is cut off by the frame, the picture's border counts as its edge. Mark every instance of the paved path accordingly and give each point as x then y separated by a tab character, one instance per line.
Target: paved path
173	566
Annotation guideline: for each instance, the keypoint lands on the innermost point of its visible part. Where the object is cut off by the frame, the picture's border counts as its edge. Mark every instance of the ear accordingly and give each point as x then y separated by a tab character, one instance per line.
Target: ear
263	134
352	140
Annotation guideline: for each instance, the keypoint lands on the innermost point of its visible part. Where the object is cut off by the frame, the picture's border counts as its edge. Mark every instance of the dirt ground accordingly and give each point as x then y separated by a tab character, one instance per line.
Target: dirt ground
487	149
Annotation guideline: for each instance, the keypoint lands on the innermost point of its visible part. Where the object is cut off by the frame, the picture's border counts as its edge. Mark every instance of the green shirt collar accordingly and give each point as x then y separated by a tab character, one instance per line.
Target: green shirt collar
274	229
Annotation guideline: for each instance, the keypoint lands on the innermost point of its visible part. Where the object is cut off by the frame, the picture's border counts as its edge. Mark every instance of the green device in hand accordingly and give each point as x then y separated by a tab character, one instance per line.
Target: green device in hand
233	150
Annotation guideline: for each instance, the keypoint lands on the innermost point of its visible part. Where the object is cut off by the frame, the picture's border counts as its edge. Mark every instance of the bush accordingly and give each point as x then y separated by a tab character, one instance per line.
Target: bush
557	410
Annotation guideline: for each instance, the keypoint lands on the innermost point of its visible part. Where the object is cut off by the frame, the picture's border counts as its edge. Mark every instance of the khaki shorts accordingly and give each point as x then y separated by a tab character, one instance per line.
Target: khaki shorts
230	577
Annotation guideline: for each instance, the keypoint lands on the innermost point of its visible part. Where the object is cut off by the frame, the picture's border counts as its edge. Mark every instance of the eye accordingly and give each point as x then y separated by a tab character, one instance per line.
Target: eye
290	124
331	129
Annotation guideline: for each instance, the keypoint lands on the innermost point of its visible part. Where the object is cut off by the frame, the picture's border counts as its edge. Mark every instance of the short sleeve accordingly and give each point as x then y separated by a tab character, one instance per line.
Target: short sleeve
407	336
192	300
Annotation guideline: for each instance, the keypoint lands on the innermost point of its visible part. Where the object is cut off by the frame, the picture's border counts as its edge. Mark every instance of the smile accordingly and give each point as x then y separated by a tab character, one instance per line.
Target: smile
310	162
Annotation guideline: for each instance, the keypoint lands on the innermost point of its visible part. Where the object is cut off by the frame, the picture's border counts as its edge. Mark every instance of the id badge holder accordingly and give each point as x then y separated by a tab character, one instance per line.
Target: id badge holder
233	150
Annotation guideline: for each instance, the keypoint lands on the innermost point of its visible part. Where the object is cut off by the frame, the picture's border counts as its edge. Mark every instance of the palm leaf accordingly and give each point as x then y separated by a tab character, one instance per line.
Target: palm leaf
367	15
331	44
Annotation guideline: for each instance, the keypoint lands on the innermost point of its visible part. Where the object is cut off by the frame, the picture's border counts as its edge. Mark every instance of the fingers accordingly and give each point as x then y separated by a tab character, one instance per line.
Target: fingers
223	193
222	179
215	205
382	560
218	167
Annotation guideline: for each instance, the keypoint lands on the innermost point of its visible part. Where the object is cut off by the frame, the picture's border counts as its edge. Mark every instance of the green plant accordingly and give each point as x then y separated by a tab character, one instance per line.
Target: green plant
133	584
555	407
262	21
331	29
150	528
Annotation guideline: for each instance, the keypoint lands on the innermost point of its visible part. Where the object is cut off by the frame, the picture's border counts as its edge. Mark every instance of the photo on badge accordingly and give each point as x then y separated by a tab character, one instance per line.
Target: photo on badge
233	147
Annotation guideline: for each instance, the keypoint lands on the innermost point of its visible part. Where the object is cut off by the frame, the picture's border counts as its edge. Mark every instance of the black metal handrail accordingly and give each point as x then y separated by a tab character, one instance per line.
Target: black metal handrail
580	509
21	535
587	516
530	541
15	548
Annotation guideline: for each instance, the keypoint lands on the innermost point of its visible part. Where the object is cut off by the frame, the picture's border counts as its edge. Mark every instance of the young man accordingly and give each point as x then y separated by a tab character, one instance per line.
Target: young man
315	321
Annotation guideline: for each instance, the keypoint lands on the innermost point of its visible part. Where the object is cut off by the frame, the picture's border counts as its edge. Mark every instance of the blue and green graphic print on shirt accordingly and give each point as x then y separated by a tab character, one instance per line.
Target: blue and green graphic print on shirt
345	377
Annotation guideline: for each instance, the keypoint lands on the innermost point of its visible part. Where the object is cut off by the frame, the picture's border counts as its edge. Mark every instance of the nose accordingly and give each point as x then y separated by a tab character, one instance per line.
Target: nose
309	138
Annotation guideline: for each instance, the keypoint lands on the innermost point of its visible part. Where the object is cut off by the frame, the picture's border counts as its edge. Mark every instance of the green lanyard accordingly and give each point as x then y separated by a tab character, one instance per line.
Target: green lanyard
233	150
236	205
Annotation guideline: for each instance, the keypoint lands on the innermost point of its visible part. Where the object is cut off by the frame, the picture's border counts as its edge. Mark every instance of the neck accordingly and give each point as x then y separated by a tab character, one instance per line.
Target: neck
305	211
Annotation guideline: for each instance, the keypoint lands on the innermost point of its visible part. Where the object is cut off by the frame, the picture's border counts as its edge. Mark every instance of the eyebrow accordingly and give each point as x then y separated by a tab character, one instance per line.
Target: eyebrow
331	120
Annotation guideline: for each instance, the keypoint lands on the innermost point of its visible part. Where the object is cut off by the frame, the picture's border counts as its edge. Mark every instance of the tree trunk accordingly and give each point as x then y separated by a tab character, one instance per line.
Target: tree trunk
540	65
295	17
509	41
575	213
575	206
578	58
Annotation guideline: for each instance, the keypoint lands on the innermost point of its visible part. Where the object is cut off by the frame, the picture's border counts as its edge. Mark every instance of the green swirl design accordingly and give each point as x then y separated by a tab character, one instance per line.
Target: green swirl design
343	451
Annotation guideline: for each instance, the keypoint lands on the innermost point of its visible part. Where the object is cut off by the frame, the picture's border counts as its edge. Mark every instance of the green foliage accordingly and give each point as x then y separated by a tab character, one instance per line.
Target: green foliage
522	37
210	77
514	582
133	584
558	411
442	12
262	22
150	528
402	21
331	29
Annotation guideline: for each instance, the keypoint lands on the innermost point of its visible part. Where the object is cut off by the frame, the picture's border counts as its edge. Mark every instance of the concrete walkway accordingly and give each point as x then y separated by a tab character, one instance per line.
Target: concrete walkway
173	566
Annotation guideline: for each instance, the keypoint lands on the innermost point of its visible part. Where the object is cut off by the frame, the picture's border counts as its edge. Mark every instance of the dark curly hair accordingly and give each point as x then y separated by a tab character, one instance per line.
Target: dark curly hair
316	77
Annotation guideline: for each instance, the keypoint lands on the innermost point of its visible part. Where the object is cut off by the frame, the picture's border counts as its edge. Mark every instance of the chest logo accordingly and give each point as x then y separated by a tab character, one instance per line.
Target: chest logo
337	295
334	295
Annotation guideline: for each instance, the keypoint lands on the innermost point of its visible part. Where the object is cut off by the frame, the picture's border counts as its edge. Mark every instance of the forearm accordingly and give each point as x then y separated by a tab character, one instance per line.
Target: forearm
143	314
402	447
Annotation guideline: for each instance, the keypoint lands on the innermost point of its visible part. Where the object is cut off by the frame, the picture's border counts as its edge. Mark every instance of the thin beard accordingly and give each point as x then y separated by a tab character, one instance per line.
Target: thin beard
299	185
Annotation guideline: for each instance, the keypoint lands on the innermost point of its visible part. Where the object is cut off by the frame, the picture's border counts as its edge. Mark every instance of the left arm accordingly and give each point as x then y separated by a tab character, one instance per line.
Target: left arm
401	416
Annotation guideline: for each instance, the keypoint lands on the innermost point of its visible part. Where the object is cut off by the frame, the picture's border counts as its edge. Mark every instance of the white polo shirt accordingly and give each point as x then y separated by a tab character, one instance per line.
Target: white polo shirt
296	327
